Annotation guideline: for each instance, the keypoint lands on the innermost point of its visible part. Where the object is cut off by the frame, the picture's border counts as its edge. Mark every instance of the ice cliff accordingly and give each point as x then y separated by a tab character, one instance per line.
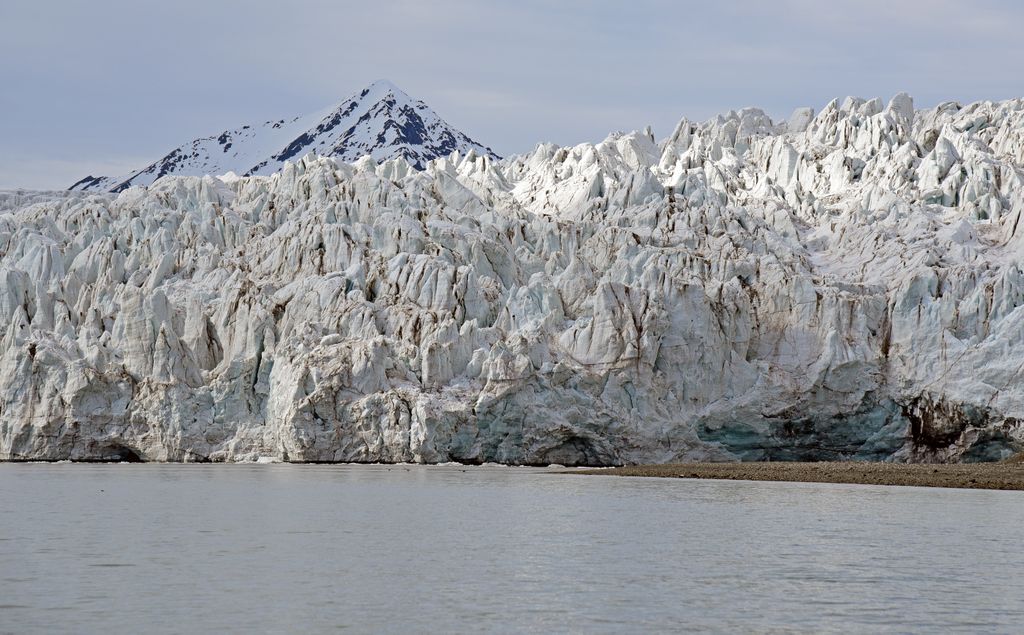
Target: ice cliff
845	284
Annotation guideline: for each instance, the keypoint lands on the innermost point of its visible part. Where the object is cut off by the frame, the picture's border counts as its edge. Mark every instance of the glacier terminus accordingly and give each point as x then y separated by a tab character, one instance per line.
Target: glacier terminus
368	284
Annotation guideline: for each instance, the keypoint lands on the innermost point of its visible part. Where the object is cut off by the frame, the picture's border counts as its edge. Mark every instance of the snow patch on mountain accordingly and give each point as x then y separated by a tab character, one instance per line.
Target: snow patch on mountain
381	122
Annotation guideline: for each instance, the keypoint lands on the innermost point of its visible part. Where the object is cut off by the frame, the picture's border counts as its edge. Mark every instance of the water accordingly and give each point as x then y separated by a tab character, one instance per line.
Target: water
282	548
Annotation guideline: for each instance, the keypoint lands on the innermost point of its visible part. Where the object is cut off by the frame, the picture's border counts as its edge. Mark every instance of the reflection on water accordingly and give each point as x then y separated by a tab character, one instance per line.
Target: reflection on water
282	548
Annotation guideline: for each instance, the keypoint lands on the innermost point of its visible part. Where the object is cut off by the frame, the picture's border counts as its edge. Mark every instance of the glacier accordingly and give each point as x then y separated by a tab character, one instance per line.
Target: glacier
845	284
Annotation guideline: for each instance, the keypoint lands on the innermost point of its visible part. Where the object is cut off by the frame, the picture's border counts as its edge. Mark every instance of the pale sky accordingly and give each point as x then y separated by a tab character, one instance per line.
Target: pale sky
106	86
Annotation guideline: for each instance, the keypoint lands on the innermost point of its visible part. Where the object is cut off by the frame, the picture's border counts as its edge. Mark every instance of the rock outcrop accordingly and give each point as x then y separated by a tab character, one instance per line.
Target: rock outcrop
846	284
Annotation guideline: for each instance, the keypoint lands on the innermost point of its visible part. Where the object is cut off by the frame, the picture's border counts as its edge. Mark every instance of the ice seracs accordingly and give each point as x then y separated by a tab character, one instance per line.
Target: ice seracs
381	122
841	284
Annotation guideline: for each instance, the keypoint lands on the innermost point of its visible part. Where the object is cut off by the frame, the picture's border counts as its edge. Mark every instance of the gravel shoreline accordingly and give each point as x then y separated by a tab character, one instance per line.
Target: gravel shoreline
1008	475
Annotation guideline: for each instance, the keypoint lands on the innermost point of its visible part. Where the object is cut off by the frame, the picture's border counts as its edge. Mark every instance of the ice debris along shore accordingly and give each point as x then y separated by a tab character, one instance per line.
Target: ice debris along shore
846	284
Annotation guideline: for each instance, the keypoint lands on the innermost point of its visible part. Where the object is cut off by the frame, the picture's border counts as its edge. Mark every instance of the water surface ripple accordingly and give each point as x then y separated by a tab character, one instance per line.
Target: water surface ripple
291	548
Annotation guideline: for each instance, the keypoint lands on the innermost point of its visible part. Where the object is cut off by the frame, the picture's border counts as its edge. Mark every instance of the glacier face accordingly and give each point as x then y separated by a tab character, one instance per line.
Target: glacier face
846	284
381	121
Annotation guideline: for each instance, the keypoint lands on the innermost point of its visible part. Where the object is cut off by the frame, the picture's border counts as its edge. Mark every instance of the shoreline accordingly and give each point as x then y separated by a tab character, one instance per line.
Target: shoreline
1006	475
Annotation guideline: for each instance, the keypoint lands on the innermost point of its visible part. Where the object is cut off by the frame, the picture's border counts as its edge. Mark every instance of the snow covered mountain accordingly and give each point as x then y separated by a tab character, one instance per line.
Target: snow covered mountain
381	121
846	284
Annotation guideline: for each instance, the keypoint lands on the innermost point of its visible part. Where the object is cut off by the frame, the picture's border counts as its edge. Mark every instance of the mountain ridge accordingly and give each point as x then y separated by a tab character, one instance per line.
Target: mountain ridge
381	121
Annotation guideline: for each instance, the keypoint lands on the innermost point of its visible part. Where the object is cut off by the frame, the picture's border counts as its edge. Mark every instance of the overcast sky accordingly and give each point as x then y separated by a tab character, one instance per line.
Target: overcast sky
105	86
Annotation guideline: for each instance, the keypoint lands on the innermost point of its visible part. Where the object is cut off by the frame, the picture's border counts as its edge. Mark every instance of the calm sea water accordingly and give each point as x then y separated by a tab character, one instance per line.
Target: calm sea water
283	548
